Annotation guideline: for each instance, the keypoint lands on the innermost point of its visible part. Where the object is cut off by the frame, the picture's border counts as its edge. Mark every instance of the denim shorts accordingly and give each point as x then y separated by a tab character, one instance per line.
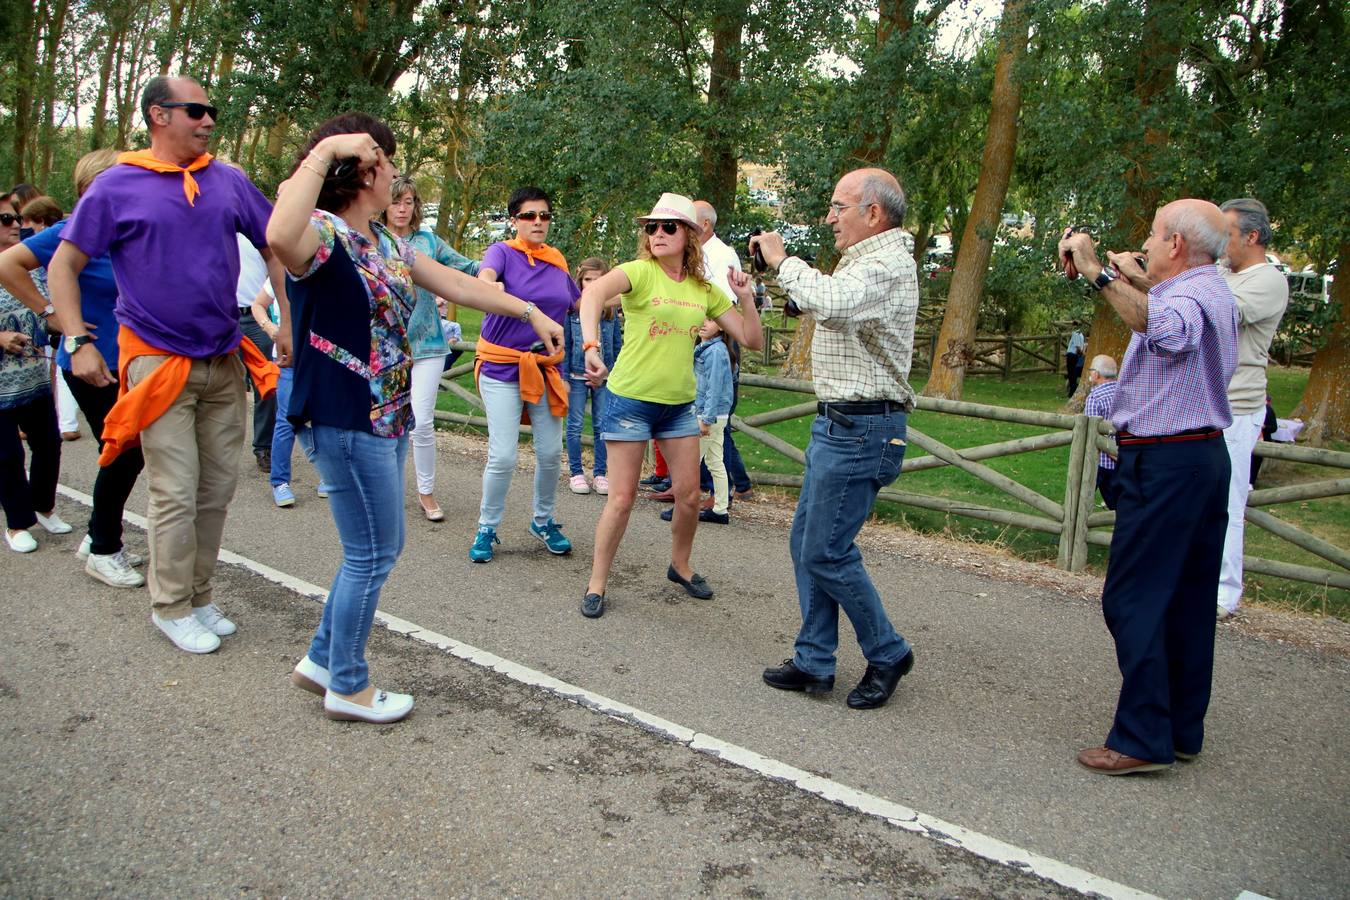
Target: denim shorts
627	419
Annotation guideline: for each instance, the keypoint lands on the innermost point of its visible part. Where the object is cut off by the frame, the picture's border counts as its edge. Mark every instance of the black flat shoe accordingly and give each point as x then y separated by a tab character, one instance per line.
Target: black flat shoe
694	587
666	514
788	677
878	683
708	515
593	606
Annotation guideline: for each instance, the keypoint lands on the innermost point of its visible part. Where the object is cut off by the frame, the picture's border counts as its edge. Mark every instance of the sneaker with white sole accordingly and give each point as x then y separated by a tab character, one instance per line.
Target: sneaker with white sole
282	495
131	557
213	620
113	569
187	633
310	676
601	485
53	523
578	484
385	706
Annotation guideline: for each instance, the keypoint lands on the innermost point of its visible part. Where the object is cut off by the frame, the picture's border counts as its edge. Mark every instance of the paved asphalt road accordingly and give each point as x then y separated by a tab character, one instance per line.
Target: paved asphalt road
136	769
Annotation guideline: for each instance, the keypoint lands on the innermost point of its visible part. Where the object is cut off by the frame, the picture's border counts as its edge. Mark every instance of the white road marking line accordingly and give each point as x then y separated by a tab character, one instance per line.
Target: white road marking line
982	845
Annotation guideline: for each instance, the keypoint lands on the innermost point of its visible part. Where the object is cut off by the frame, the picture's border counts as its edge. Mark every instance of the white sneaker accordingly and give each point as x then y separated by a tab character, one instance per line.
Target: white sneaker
310	676
213	620
112	569
21	541
385	706
87	545
1222	614
187	633
578	484
53	523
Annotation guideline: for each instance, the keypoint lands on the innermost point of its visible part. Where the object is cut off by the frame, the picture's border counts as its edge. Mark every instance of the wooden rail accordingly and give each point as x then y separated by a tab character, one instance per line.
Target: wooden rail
1072	517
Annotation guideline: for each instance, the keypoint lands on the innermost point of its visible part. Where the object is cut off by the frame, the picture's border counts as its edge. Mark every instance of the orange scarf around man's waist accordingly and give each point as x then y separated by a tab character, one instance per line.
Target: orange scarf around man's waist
138	407
534	380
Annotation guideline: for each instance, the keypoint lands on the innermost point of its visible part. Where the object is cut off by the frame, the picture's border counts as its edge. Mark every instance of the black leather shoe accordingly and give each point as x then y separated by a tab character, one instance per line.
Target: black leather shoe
694	587
878	683
666	514
264	458
593	606
708	515
788	677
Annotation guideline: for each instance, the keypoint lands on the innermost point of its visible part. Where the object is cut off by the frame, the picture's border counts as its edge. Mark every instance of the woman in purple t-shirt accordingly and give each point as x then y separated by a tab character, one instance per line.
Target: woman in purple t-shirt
537	273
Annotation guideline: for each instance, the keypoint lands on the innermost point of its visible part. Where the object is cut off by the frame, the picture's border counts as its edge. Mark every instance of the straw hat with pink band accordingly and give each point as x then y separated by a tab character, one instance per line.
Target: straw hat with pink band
673	208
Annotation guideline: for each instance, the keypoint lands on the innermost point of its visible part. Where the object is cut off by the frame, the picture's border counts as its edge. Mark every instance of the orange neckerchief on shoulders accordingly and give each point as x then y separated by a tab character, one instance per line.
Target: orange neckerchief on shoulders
551	255
145	160
137	408
534	380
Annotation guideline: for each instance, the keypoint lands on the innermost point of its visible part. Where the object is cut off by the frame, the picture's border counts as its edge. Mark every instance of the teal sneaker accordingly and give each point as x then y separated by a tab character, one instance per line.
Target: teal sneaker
481	551
551	534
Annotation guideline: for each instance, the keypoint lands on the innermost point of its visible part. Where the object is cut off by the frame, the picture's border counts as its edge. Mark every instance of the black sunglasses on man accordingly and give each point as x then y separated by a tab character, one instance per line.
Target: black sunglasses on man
193	110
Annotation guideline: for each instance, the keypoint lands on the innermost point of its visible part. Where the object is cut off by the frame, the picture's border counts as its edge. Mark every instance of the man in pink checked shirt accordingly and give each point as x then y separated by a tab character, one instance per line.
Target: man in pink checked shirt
1170	409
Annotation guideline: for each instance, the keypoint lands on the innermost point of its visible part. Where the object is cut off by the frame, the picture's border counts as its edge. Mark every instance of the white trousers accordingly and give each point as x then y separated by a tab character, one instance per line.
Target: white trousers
65	405
426	381
1241	438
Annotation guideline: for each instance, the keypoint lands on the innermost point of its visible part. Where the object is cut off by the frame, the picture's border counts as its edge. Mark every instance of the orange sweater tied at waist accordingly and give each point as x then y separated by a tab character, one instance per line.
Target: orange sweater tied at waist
138	407
538	374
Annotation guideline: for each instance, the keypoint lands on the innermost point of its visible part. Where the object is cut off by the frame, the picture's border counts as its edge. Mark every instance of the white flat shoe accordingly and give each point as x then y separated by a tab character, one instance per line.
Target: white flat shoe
385	707
21	541
310	676
53	523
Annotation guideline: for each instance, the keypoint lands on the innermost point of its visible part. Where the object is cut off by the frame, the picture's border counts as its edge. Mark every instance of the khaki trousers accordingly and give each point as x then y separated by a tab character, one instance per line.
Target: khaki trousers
192	464
711	448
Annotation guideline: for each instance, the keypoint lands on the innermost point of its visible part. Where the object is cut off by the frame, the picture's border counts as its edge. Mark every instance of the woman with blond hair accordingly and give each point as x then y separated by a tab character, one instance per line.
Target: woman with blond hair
106	559
429	337
665	298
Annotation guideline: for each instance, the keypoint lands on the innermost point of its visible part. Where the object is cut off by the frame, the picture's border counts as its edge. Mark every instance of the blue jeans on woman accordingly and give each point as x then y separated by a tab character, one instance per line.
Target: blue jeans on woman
503	404
284	434
364	475
845	468
576	415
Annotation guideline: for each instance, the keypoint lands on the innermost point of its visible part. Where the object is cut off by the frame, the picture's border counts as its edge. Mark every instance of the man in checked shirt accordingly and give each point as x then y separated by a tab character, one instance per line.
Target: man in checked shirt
860	357
1170	409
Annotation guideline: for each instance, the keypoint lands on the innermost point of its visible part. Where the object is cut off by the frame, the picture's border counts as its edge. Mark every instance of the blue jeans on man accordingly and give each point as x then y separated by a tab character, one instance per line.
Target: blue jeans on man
846	466
364	477
284	435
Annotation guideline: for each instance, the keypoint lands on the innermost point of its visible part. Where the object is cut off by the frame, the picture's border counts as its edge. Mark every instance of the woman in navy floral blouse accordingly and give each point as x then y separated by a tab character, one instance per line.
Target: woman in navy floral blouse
352	291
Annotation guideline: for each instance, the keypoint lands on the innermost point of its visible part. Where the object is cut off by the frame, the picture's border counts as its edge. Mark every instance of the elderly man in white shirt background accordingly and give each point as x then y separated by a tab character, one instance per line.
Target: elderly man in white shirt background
718	257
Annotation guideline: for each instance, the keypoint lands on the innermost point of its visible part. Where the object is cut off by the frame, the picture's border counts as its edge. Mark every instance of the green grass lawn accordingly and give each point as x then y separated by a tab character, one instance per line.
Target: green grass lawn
1044	472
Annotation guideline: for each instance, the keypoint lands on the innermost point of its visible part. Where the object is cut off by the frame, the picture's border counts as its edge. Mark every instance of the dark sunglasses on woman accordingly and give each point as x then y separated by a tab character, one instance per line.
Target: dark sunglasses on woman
667	227
193	110
531	215
8	219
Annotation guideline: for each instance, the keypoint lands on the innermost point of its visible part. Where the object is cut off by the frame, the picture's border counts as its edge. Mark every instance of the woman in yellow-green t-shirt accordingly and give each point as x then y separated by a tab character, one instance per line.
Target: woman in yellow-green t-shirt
665	299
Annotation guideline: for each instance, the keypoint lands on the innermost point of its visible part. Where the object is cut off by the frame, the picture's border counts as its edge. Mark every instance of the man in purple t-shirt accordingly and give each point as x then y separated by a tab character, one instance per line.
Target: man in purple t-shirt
1170	409
168	217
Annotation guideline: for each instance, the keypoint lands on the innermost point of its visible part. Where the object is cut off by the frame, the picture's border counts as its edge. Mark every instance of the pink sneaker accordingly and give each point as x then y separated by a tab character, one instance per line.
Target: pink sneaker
579	485
601	484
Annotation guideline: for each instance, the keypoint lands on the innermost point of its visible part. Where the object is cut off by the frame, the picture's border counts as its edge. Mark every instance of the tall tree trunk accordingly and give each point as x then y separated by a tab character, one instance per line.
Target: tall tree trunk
111	51
1155	75
720	153
1325	405
51	44
956	340
25	35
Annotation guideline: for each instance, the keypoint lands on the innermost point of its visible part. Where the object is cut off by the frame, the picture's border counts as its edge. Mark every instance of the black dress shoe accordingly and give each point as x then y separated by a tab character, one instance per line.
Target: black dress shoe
788	677
593	606
694	587
878	683
708	515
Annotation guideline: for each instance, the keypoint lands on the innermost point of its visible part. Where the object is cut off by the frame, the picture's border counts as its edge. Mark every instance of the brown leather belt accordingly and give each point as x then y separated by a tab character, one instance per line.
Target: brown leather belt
1125	439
